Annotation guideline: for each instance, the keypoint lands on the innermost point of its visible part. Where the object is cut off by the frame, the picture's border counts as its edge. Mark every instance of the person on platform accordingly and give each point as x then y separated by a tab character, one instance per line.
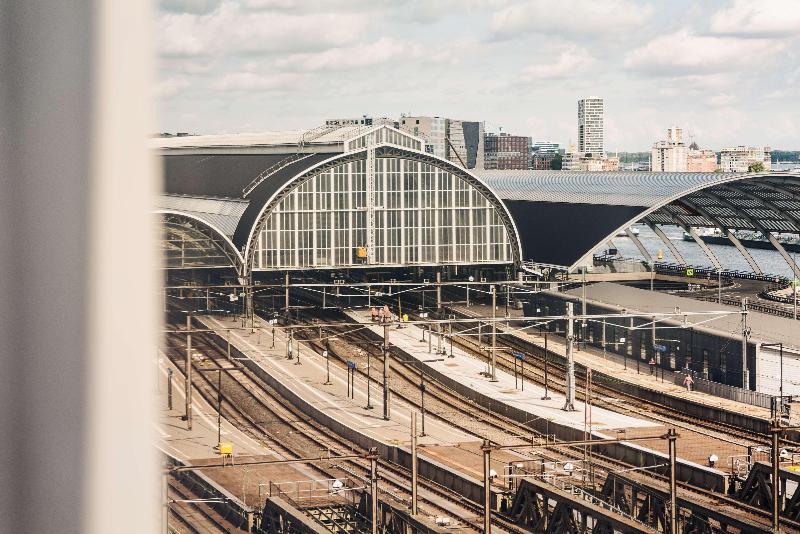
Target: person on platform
688	382
652	366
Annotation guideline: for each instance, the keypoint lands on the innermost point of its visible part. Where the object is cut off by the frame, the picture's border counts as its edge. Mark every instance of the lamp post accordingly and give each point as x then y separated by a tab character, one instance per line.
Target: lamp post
546	359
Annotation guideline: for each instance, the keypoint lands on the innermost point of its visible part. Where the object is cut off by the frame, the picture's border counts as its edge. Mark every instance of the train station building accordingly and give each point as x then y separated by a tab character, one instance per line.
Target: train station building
331	198
357	200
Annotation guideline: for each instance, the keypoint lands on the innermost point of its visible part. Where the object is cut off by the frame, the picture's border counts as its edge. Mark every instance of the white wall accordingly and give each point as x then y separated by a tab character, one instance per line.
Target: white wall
77	270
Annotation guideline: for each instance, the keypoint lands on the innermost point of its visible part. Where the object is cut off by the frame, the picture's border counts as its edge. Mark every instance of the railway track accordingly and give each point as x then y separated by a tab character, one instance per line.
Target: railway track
194	517
452	402
627	403
454	410
264	414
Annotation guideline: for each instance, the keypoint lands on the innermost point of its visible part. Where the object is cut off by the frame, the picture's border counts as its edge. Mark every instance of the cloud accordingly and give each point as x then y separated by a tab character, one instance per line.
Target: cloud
683	53
758	18
572	62
722	100
570	17
381	51
198	7
228	30
170	87
254	82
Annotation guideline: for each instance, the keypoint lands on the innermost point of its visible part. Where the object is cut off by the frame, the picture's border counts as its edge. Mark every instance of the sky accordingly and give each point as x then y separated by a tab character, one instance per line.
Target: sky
728	72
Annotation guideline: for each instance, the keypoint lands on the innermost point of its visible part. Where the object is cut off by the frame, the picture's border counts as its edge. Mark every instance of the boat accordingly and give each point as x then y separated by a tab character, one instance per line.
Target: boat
713	236
623	233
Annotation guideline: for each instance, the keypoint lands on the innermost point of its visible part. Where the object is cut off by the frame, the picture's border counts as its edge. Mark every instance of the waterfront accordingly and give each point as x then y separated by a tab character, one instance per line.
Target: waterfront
770	261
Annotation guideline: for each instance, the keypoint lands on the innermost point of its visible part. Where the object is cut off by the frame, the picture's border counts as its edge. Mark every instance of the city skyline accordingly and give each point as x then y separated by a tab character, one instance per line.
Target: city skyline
726	71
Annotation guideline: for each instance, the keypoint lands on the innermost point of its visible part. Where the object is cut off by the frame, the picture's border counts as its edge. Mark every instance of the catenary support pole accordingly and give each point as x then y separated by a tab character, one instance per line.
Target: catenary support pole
438	290
286	294
776	462
386	410
546	378
169	389
373	487
413	463
494	334
188	372
165	500
569	401
219	406
672	437
369	380
745	333
487	489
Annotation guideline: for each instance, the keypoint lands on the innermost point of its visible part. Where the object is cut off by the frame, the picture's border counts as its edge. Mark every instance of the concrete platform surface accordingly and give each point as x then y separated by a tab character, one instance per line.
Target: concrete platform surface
467	370
201	441
307	379
614	364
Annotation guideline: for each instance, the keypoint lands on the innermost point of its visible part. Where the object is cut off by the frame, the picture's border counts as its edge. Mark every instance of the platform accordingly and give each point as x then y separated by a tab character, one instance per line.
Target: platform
614	364
469	371
307	379
200	442
197	447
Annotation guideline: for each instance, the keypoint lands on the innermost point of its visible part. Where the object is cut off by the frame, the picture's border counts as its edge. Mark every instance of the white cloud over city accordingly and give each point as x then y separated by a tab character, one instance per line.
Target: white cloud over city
724	70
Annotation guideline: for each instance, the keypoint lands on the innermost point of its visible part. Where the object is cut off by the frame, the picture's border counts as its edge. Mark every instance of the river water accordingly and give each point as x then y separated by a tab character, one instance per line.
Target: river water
770	261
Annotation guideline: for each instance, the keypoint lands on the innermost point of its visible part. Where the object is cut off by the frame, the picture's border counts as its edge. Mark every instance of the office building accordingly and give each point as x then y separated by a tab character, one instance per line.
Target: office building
543	147
458	141
504	151
590	125
739	159
364	120
669	155
543	161
701	160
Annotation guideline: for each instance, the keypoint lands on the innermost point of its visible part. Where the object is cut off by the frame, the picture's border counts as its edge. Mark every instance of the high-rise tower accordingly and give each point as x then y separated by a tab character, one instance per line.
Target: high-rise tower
590	125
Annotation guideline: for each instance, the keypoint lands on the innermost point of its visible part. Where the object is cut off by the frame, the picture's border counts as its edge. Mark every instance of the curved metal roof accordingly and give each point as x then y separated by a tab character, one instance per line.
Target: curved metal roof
611	188
220	181
222	214
564	217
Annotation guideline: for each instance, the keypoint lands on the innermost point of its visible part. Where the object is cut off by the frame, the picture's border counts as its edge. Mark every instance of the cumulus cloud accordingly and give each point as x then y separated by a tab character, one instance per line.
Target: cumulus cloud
197	7
314	59
231	30
381	51
255	82
570	17
170	87
572	62
758	18
685	53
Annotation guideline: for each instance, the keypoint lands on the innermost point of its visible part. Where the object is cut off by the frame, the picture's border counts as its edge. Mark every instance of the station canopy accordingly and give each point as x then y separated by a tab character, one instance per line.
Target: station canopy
563	218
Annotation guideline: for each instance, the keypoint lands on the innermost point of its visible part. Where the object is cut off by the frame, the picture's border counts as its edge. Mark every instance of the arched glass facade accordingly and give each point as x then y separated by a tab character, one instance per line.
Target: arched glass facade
420	213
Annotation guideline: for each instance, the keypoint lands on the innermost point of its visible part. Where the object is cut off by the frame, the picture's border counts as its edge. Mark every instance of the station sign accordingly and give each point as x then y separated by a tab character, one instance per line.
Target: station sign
351	364
518	355
660	348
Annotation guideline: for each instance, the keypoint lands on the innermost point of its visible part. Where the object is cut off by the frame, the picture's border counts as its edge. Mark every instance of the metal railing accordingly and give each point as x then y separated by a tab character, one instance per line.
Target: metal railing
566	485
754	398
